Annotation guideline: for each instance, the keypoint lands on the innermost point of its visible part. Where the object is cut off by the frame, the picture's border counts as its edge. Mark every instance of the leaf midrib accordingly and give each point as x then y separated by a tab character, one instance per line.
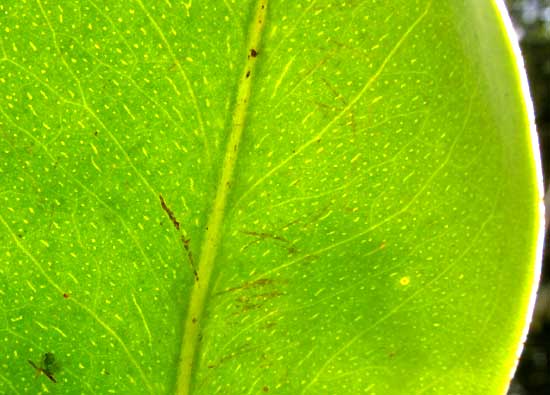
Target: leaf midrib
212	236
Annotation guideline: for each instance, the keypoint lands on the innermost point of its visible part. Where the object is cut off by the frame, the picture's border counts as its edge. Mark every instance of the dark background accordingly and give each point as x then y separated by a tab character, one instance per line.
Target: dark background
532	22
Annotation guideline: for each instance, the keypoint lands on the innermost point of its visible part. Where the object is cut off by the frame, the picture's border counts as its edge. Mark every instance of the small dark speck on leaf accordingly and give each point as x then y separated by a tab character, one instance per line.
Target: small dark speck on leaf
248	74
66	295
253	53
265	388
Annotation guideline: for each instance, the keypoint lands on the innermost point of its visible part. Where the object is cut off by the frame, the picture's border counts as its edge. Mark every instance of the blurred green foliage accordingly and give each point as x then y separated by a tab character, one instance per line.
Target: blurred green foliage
531	18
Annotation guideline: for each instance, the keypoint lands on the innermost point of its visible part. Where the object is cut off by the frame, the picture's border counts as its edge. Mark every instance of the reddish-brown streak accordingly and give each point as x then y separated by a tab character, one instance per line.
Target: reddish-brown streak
169	212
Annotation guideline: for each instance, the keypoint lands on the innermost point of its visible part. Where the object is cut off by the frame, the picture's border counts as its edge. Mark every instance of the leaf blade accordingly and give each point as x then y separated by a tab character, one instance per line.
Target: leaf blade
371	208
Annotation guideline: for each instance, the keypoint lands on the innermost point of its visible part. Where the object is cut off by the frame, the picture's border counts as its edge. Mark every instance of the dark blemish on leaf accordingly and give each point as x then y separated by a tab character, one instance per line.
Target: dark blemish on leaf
33	364
292	250
48	365
261	236
269	325
259	283
245	304
66	295
248	74
183	239
270	295
250	301
253	53
242	350
265	388
169	212
194	320
49	361
264	235
187	249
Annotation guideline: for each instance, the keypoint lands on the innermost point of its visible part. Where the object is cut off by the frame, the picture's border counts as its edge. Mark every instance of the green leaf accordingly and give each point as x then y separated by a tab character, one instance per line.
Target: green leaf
227	197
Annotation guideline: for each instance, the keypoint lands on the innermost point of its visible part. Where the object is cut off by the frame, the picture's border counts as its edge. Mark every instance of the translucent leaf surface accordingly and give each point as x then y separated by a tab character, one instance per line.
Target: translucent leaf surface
236	197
